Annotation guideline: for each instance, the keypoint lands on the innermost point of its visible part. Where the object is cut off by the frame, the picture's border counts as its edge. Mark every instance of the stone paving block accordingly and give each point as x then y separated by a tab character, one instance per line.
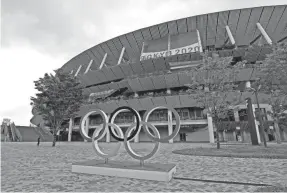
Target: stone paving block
26	167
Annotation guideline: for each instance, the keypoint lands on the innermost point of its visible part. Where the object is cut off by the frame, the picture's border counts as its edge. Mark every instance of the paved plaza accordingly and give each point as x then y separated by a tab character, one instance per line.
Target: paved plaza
26	167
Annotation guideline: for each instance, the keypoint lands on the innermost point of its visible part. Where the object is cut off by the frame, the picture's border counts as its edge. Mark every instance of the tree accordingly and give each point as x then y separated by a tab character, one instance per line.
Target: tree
283	125
59	98
272	76
214	88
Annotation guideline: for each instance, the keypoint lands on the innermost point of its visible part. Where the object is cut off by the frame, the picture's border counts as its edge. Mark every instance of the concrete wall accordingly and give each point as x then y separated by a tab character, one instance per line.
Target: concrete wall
200	135
162	130
229	136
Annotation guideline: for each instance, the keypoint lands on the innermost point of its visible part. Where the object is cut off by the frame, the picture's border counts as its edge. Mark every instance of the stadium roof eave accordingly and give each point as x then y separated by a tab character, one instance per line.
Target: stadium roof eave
210	25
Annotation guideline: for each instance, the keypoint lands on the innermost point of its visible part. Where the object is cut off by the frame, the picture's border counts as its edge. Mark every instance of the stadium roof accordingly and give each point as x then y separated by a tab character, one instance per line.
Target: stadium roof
214	28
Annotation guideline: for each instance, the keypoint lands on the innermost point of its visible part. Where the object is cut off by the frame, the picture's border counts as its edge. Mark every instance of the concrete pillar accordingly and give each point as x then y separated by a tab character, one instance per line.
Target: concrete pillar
236	118
168	91
210	129
220	135
245	137
234	135
269	108
87	124
70	129
137	137
108	135
224	136
256	126
284	135
266	136
169	124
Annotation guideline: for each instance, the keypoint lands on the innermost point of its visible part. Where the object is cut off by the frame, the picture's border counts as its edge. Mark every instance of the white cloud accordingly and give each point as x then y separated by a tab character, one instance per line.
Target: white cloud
40	36
20	66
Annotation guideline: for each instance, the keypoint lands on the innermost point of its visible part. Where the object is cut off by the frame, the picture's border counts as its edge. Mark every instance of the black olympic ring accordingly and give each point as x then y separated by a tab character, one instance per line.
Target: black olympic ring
115	113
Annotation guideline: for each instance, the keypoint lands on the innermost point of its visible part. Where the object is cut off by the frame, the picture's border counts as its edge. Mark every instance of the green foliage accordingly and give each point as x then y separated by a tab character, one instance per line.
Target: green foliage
272	75
283	123
273	71
214	86
272	80
59	97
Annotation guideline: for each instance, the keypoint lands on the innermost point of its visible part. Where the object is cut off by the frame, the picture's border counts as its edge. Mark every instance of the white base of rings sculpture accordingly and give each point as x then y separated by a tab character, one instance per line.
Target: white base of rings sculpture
127	169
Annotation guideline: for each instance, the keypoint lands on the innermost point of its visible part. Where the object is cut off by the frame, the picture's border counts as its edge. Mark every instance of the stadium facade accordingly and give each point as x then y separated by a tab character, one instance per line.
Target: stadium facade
151	66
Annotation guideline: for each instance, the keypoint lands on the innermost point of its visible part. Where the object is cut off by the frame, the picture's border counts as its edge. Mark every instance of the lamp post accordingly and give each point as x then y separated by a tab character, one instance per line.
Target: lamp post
260	117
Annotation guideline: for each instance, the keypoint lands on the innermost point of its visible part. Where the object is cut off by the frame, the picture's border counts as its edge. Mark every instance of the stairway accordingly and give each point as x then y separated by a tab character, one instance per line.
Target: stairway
15	133
10	133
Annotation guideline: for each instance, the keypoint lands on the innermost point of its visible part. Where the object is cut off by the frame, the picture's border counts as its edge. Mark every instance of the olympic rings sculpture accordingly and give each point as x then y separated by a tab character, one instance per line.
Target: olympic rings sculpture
109	126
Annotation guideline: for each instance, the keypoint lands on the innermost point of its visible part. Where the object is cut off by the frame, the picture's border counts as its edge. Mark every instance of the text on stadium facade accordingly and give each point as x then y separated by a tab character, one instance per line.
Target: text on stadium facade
183	50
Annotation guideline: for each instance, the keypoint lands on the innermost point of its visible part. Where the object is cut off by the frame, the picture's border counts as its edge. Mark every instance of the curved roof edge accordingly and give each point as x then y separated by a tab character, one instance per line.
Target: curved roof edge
149	27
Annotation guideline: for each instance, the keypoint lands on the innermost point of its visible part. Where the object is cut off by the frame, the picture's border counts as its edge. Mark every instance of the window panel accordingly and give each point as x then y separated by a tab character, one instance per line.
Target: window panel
198	113
192	113
263	112
243	115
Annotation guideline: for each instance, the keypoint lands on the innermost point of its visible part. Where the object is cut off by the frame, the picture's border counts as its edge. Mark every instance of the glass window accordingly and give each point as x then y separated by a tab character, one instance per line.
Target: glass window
192	113
163	115
157	116
243	115
92	121
77	121
263	112
231	115
198	113
185	114
179	113
128	117
99	120
120	118
153	116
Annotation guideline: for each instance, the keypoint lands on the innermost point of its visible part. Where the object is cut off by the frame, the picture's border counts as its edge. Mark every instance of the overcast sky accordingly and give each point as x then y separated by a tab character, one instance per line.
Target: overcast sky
38	36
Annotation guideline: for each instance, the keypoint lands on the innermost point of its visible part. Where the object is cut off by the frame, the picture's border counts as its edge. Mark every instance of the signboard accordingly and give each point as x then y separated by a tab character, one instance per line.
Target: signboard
171	45
102	94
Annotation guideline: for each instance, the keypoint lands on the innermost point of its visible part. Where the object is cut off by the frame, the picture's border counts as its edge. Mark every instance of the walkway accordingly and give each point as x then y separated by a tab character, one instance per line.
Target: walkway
26	167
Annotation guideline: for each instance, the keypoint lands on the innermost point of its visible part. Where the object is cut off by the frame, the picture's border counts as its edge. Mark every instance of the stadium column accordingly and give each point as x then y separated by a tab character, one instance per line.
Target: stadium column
137	137
269	118
256	125
284	136
236	118
169	124
108	135
168	91
210	129
87	126
70	129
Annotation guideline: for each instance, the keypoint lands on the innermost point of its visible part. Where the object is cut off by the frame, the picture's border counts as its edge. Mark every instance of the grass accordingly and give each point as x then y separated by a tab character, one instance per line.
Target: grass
273	151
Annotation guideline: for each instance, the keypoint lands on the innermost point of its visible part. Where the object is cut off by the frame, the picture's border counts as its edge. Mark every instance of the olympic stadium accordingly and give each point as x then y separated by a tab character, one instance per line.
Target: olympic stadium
150	67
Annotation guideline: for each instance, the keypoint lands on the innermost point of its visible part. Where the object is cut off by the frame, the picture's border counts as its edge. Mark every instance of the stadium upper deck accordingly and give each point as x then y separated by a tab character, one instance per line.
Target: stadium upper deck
151	58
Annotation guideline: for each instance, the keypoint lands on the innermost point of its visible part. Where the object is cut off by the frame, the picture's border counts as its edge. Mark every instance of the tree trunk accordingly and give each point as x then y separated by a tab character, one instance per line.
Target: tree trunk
277	131
217	136
217	130
217	139
55	138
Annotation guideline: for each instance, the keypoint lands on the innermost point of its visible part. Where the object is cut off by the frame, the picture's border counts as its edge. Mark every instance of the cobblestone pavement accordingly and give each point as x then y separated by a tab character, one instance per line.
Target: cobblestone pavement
26	167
